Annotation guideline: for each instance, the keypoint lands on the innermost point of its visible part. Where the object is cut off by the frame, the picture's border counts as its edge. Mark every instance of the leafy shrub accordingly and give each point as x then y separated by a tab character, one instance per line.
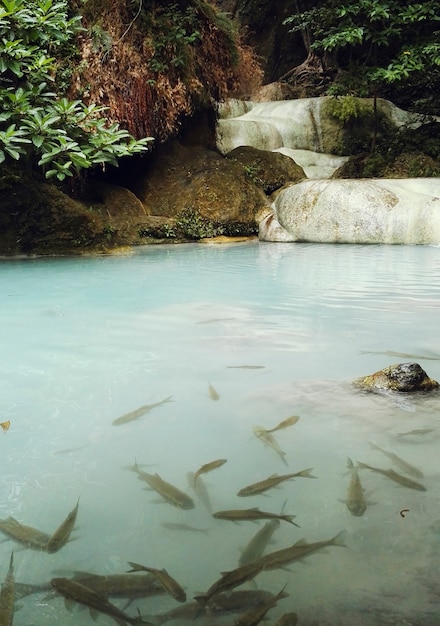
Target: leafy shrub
36	122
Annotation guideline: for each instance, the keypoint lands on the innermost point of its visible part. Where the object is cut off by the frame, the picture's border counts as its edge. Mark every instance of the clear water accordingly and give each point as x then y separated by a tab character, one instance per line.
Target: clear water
86	340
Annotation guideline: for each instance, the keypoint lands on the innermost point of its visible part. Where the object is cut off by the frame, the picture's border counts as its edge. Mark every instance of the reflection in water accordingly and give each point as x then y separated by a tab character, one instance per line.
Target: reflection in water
272	333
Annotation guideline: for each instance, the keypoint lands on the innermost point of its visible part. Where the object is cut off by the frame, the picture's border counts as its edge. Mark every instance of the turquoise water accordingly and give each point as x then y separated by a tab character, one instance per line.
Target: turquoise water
87	340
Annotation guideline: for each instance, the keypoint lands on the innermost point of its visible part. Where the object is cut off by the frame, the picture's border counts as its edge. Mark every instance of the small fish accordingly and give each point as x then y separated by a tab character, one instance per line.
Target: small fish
240	515
356	502
25	589
208	467
186	612
169	492
403	355
215	319
7	596
416	431
404	465
273	481
398	478
185	527
200	490
289	421
254	616
142	410
170	585
246	367
269	440
62	534
298	551
230	580
27	535
213	394
237	601
288	619
256	546
129	586
5	425
74	591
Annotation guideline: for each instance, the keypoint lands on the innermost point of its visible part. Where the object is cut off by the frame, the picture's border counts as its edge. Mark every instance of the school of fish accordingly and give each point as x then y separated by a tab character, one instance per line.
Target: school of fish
225	595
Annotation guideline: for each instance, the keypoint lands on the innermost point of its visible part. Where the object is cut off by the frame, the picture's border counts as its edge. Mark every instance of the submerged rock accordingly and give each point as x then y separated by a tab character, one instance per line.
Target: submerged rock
402	377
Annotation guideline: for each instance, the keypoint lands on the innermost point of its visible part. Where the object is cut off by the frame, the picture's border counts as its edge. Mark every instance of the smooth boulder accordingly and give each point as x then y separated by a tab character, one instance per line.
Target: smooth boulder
393	211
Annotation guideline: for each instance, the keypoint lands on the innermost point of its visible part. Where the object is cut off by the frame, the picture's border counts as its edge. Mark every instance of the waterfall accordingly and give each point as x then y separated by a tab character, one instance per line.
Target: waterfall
321	209
292	127
294	124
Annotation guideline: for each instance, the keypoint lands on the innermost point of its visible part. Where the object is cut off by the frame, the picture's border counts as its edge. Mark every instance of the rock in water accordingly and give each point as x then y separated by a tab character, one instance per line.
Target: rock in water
402	377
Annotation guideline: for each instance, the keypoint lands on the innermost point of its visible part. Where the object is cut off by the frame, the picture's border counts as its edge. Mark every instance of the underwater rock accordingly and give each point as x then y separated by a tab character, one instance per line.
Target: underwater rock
402	377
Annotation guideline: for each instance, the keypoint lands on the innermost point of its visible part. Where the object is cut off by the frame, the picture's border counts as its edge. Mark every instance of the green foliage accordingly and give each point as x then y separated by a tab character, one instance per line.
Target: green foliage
36	123
376	43
193	225
174	30
348	108
189	224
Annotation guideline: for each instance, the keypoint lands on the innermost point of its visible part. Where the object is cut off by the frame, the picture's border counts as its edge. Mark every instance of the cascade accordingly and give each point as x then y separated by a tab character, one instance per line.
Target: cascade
321	209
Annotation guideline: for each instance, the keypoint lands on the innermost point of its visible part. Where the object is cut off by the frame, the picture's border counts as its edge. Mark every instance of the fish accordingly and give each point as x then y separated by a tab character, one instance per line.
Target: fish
208	467
246	367
216	319
26	535
356	501
416	431
7	596
298	551
240	515
5	425
62	534
170	585
187	611
74	591
256	546
398	478
169	492
269	440
236	601
289	421
288	619
25	589
121	585
404	465
403	355
201	491
129	586
213	394
142	410
254	616
184	527
230	580
271	482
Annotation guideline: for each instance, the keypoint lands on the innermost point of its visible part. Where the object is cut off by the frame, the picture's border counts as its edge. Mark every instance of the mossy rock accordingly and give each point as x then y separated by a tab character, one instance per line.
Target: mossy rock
270	170
38	218
203	181
379	165
349	124
402	377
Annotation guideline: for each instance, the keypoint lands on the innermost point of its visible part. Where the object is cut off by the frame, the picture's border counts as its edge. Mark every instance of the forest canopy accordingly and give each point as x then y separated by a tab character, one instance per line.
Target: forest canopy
376	47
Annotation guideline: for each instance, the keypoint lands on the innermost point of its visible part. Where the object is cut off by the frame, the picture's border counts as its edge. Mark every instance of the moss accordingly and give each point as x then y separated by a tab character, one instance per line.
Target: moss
350	125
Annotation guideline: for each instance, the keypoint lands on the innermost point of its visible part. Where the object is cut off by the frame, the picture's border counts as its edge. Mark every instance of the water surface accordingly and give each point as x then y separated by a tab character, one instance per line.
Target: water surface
276	330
